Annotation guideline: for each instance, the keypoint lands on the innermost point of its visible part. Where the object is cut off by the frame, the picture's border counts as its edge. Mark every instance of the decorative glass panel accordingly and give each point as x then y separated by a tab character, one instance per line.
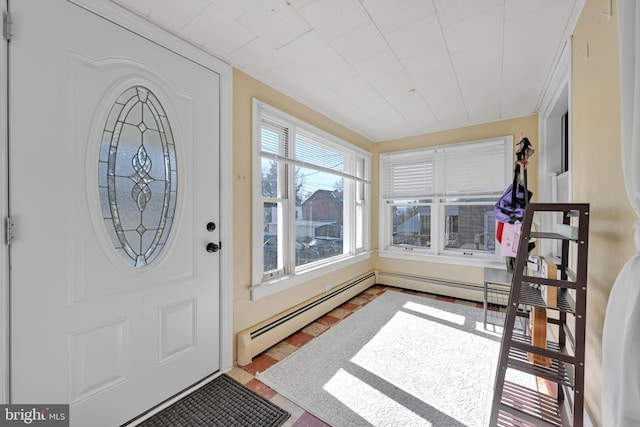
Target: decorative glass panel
138	176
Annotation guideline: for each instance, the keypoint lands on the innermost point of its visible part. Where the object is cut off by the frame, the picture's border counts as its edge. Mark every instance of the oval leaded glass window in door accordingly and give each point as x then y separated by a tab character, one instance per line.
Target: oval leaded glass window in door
138	176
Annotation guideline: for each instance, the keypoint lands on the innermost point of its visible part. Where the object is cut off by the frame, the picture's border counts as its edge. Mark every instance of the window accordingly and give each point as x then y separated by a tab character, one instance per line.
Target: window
312	208
439	201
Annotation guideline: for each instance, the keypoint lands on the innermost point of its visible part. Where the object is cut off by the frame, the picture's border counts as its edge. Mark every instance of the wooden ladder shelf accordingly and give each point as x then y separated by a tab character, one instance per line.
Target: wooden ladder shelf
514	404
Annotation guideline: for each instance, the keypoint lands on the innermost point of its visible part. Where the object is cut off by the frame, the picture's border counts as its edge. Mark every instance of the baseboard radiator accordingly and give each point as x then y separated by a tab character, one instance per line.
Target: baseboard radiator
451	288
257	339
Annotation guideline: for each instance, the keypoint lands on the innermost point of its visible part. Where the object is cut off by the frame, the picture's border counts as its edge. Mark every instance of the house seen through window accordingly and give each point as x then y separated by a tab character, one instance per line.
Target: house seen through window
314	191
439	201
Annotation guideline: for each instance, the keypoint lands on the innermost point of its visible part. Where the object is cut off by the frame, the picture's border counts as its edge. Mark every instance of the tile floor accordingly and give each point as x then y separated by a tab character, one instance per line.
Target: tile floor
300	418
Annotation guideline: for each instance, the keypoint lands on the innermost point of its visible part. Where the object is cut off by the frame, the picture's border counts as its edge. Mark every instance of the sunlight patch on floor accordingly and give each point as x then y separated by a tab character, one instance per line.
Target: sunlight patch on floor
369	403
437	360
436	313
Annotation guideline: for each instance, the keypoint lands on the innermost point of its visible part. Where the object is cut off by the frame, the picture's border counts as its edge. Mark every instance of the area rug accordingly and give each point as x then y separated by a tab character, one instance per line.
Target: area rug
223	402
402	360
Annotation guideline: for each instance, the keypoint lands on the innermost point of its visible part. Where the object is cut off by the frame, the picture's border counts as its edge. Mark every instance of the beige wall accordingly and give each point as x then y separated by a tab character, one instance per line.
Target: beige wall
527	126
246	312
597	176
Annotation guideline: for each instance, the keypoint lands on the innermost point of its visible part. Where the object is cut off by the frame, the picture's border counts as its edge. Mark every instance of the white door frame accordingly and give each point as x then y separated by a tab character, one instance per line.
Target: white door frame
4	214
138	25
553	106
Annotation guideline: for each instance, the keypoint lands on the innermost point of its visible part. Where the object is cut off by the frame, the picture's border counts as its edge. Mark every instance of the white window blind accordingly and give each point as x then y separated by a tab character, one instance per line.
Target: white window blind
470	169
274	138
409	175
455	170
309	151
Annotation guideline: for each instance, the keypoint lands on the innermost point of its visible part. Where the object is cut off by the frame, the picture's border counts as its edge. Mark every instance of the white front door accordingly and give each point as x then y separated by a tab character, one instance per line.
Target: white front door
114	191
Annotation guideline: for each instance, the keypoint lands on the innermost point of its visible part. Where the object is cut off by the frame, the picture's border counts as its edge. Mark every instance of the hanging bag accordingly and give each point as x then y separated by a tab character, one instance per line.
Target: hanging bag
509	209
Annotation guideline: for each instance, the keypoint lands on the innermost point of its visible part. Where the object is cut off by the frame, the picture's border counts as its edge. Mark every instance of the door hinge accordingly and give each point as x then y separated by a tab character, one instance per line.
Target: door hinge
8	227
6	25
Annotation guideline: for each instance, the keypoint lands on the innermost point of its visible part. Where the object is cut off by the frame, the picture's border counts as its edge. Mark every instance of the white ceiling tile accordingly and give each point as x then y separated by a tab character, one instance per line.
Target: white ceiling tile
482	92
325	99
445	100
482	81
339	109
334	18
416	37
485	108
480	55
529	52
396	87
400	92
514	8
217	31
527	70
276	22
363	95
258	56
539	23
392	15
235	8
415	110
421	64
519	100
289	74
360	44
333	70
455	11
468	33
427	128
176	16
522	86
308	50
297	4
378	67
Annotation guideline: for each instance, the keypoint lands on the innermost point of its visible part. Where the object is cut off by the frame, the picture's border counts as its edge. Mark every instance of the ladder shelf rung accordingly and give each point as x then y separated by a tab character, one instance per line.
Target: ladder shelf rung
532	296
553	349
515	419
558	283
530	405
559	372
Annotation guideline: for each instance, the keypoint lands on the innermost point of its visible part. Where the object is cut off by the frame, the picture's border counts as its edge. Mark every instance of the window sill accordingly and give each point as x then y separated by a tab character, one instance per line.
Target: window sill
469	261
279	284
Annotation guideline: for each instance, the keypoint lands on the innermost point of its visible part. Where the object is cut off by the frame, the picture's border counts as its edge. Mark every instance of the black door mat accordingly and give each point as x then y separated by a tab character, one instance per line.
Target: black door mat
223	402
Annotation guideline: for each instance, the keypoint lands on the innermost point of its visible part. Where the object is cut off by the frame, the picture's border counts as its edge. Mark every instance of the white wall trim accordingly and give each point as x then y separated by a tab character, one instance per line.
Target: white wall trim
4	212
555	103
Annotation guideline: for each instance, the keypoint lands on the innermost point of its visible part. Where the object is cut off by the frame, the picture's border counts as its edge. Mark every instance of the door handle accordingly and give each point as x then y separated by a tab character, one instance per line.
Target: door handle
212	247
211	226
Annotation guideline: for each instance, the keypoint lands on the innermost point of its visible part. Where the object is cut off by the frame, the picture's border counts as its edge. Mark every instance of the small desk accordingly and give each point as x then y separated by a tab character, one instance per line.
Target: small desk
501	284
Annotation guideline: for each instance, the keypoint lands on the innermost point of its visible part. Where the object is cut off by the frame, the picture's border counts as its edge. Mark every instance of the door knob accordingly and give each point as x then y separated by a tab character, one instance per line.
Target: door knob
211	226
213	247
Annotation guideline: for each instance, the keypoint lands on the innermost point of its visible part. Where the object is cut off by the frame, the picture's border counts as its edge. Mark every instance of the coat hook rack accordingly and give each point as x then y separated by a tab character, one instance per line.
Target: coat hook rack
609	11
